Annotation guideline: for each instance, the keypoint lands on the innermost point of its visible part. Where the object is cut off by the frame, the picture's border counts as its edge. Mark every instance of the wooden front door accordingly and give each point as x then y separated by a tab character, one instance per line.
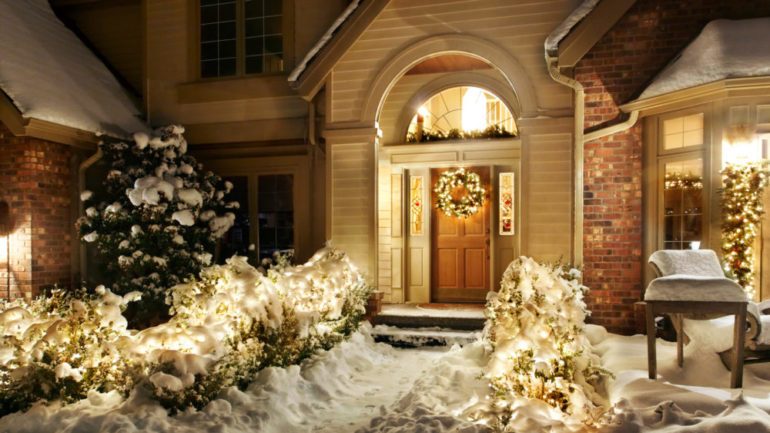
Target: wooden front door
460	249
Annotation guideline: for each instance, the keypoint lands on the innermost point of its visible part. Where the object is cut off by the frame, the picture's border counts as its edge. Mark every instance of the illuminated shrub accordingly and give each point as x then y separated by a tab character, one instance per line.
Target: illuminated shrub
226	325
535	327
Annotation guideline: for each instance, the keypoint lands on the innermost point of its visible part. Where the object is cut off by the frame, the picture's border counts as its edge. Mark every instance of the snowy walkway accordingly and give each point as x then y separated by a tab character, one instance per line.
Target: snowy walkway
359	386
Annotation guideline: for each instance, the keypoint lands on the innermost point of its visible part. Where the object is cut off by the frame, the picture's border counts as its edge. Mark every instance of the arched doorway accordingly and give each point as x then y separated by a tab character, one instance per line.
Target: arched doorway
446	113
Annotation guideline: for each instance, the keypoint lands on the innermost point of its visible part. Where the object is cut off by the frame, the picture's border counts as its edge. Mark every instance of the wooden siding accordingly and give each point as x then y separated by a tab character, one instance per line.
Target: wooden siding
115	30
520	27
176	95
547	201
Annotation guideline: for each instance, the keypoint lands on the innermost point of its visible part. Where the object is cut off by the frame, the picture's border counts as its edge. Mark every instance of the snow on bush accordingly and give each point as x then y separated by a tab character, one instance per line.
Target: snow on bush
542	360
226	325
157	220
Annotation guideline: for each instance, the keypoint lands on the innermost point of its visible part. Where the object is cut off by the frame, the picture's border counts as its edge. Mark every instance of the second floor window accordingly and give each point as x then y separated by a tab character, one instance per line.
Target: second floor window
240	37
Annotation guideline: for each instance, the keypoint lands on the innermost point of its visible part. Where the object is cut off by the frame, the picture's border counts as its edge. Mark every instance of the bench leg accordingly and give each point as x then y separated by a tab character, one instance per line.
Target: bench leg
679	340
651	361
739	341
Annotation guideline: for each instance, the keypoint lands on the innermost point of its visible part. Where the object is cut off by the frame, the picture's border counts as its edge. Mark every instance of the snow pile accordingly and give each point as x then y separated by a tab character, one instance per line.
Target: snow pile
159	219
50	75
227	325
542	371
695	398
356	386
720	51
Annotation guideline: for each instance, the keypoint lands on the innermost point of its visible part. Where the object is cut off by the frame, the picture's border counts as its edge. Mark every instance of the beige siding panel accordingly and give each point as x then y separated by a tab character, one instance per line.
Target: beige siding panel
520	27
352	201
548	203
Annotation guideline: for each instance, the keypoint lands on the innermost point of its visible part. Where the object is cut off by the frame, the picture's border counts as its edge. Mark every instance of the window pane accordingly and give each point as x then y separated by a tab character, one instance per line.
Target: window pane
273	7
209	51
683	132
217	38
276	214
227	11
209	68
263	32
209	32
273	44
254	27
254	65
227	49
209	14
273	25
254	46
227	30
682	203
237	239
226	67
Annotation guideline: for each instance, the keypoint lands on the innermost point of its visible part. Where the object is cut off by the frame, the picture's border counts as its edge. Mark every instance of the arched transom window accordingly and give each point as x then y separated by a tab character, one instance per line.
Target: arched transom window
463	112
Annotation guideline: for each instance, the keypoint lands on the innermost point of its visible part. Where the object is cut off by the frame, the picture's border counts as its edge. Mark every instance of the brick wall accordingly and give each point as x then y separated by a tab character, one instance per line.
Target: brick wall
615	71
36	179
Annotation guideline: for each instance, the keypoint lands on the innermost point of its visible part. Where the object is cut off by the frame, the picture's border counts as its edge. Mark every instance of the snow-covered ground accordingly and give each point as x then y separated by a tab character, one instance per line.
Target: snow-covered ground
358	386
366	387
696	398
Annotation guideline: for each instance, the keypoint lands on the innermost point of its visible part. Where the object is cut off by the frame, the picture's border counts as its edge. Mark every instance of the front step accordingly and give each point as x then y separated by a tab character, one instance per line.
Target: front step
404	321
421	337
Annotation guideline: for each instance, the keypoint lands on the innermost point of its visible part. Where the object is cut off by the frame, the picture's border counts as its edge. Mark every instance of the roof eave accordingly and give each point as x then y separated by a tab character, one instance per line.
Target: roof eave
314	76
21	126
725	88
590	30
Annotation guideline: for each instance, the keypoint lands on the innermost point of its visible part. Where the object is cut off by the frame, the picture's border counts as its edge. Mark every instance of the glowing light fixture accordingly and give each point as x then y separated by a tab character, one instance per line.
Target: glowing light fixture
474	112
5	244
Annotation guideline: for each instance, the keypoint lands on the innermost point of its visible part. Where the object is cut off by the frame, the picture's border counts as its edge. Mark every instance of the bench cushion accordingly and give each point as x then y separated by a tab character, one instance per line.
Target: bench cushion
686	262
694	288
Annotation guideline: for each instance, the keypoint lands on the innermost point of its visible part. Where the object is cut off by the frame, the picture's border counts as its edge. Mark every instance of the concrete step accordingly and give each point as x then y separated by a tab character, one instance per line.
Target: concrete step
421	337
420	321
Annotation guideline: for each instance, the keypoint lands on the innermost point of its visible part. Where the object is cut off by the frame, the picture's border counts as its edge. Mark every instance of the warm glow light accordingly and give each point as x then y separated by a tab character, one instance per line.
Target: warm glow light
423	111
474	109
741	151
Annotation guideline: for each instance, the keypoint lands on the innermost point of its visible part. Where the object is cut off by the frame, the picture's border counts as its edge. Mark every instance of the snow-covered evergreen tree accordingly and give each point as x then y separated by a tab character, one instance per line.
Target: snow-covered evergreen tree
159	221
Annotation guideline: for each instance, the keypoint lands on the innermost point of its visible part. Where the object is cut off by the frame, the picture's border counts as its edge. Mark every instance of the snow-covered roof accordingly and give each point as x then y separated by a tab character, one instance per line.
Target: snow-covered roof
566	26
49	74
294	76
724	49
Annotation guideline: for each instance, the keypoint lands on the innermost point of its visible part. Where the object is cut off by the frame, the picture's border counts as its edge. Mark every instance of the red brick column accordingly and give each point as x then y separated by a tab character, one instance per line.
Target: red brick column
36	181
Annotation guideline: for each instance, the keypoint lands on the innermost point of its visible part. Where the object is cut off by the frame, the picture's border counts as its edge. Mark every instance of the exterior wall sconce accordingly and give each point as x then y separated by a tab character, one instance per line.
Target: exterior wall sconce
742	145
5	242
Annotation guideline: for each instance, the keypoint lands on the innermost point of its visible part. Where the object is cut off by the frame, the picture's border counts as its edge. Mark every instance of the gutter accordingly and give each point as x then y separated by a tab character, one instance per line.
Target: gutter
581	139
577	157
85	165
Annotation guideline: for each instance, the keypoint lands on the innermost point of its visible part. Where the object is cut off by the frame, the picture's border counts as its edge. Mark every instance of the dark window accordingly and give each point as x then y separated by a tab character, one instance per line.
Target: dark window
275	204
263	36
218	38
237	239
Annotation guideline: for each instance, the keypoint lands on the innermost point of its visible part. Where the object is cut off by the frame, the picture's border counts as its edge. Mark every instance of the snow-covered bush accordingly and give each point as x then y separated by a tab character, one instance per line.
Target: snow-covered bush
158	220
535	326
225	326
62	346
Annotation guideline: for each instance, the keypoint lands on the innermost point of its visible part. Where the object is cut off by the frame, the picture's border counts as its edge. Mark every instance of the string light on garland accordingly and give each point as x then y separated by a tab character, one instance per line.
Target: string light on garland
469	203
741	214
682	181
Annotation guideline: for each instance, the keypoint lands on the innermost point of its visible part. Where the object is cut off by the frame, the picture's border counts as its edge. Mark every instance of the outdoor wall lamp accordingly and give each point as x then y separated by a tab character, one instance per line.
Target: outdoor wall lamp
5	244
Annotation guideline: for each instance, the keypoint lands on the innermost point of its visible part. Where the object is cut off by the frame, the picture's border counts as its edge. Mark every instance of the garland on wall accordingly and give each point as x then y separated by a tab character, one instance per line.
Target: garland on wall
741	214
683	181
492	131
468	204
